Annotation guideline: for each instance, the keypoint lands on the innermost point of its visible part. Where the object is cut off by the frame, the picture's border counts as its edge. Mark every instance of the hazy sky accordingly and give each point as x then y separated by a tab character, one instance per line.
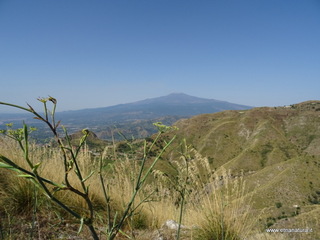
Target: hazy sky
96	53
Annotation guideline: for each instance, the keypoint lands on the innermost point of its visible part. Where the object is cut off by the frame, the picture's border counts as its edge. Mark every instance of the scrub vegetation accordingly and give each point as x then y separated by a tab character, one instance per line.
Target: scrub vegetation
80	188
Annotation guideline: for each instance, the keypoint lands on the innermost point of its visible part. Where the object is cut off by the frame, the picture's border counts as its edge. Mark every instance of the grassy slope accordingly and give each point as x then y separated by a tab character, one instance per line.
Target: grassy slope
277	149
253	139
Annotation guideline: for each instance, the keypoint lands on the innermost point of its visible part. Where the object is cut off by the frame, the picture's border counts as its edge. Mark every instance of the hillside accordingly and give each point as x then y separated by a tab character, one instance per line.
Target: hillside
275	150
256	138
278	151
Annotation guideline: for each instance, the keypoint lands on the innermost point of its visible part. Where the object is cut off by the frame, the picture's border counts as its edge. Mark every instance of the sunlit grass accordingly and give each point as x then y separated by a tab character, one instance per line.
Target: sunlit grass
213	208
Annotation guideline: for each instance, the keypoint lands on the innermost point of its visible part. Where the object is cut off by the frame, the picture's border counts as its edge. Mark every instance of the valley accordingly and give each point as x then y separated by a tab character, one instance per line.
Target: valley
273	150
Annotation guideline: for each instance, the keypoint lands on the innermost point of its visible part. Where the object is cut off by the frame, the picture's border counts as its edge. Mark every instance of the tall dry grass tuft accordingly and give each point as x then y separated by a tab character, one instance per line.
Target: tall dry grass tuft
16	193
223	211
18	196
216	205
219	206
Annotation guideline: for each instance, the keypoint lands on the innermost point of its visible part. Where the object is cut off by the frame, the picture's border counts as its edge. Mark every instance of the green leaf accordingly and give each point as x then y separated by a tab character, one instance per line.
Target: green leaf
8	166
85	179
87	189
124	234
35	167
4	165
115	220
60	186
26	176
81	225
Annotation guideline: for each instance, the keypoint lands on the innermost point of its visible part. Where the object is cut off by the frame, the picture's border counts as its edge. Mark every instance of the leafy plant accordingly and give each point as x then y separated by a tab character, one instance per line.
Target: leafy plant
71	166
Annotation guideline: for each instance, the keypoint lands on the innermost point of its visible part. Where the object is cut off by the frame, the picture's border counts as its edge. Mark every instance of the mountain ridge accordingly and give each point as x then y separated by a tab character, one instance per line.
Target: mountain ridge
133	119
131	116
167	99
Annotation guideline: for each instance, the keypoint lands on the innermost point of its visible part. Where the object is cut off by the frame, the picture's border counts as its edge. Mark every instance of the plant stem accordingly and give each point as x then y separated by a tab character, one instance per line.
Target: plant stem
106	197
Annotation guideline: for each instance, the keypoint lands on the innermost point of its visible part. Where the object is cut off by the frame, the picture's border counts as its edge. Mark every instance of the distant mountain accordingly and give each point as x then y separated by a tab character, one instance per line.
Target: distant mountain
176	104
135	119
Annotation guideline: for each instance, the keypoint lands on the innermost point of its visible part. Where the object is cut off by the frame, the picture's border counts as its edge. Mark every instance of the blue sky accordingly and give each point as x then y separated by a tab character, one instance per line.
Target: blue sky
100	52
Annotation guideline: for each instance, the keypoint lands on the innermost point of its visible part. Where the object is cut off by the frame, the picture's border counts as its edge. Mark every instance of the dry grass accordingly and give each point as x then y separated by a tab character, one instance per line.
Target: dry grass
215	205
223	211
24	209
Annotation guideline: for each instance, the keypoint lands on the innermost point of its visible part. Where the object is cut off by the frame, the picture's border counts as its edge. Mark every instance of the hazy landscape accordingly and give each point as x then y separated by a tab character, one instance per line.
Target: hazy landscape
132	119
160	120
266	158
